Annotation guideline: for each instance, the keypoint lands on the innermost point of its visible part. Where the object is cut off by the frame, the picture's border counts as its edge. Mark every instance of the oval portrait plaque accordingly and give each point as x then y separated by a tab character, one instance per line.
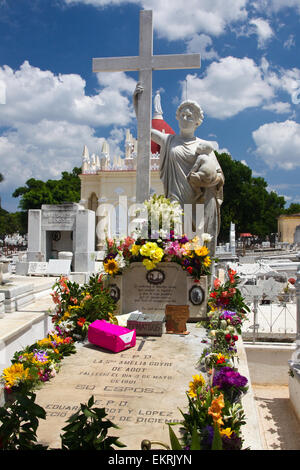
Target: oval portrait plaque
196	295
155	276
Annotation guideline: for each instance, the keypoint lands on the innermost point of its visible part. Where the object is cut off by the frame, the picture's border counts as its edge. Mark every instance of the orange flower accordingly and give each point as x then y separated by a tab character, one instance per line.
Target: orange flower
81	321
215	409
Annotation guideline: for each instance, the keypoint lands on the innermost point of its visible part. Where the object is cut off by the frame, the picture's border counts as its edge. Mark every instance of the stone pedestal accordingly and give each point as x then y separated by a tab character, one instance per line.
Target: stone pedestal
150	291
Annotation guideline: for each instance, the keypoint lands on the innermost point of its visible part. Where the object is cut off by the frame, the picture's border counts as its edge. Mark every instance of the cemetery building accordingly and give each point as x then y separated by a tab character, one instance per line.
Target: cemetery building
289	228
105	177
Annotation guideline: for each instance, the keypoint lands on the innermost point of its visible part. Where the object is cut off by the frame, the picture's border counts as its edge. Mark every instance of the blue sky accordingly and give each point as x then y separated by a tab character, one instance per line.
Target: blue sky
52	104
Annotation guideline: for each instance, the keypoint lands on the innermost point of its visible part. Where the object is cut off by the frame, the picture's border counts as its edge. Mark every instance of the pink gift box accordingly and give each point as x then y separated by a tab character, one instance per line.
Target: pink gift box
109	336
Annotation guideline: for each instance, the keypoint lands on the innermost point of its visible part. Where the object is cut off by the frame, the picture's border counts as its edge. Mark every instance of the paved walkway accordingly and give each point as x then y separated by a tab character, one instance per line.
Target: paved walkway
279	427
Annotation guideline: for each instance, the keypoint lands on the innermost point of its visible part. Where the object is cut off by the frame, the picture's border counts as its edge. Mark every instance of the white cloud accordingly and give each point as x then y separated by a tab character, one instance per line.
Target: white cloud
290	42
33	94
49	118
278	107
179	19
278	144
263	30
201	43
229	86
271	6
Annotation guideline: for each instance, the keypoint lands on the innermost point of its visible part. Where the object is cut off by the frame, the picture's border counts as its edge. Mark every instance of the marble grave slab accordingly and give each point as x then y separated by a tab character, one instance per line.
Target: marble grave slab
141	388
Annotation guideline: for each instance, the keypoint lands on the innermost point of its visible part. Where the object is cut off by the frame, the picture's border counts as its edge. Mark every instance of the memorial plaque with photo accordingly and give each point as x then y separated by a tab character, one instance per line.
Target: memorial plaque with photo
150	291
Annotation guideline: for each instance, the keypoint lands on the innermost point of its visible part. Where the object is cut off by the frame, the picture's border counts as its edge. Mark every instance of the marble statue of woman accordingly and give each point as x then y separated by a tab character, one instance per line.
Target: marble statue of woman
189	169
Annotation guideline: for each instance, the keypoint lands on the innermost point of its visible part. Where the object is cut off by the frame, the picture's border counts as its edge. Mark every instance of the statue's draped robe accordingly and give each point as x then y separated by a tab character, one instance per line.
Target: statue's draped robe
177	158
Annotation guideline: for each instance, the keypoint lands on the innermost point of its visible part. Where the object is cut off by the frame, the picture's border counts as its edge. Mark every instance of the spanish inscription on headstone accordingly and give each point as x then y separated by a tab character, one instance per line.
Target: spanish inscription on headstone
176	318
150	291
141	389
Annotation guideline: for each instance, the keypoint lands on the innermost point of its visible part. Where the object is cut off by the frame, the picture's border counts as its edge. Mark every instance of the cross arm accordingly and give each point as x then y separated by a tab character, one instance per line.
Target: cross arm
176	61
116	64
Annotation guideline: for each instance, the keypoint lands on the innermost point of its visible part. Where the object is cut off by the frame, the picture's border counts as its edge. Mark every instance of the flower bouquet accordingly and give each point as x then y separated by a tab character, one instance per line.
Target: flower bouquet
212	421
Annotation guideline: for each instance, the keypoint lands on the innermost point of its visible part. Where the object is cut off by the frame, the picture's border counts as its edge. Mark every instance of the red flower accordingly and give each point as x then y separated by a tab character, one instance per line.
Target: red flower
214	295
189	269
217	283
228	337
68	340
235	338
81	321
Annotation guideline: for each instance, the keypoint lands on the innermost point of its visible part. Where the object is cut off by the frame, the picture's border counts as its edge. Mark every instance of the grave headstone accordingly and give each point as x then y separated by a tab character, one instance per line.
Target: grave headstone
38	268
150	291
57	267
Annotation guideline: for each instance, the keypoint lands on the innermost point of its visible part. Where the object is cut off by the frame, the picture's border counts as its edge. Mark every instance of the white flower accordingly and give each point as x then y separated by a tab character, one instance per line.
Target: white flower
206	237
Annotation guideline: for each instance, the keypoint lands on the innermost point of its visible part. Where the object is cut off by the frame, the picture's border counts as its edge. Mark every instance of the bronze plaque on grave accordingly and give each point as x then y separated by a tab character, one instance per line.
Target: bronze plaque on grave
176	318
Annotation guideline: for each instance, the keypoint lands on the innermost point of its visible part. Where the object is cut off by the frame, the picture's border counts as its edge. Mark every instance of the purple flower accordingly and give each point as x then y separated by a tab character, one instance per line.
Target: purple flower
183	240
207	435
232	443
227	377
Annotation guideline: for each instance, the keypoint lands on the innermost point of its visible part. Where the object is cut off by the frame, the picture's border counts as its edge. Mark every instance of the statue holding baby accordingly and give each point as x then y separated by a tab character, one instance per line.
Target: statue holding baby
189	169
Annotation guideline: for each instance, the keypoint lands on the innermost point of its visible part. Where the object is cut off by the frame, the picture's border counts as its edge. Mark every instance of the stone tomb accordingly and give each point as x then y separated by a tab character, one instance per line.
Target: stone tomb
141	388
17	296
62	228
150	291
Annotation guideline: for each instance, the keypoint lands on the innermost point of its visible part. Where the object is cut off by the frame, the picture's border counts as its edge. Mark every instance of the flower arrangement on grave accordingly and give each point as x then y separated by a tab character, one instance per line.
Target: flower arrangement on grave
78	306
227	296
215	413
213	421
152	245
36	363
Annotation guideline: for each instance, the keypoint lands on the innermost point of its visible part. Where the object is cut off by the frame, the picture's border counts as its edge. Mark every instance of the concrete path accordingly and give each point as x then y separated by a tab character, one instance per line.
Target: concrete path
279	427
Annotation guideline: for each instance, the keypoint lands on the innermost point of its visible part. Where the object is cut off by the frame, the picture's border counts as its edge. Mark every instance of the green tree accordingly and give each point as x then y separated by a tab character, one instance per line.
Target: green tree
294	208
37	192
247	203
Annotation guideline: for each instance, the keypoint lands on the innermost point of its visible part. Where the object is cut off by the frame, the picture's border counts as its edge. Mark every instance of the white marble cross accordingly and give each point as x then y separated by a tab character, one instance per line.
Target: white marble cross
145	63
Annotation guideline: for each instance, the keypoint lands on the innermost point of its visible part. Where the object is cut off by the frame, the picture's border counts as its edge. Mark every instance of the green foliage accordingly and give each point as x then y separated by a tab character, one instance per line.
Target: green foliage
293	209
36	192
88	429
247	203
19	422
11	223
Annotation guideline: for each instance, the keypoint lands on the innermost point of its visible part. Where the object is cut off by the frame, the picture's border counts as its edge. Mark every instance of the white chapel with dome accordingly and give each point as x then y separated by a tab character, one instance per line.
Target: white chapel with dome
106	177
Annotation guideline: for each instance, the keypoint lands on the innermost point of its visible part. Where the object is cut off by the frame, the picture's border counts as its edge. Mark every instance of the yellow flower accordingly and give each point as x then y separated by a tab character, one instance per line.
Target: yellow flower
15	374
135	249
226	432
198	381
201	251
44	342
157	255
207	261
215	409
149	264
148	249
111	266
